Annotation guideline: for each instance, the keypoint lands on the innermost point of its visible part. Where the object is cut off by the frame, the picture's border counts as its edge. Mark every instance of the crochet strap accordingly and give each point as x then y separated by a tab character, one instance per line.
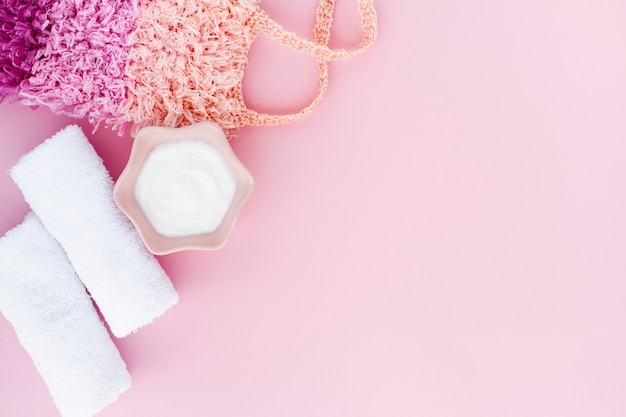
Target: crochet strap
317	48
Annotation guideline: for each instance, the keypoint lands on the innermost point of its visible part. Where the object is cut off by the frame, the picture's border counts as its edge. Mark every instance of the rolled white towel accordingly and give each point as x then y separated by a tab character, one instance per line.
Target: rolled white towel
56	322
66	184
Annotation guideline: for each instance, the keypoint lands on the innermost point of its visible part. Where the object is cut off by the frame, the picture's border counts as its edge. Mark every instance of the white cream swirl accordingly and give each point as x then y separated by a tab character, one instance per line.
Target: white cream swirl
185	188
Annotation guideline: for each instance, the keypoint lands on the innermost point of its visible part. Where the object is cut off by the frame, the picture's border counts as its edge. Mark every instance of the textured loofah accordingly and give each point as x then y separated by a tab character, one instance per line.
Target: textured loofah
79	69
22	26
144	63
187	62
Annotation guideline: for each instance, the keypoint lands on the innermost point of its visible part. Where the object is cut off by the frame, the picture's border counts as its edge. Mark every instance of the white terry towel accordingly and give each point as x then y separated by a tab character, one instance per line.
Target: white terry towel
56	322
66	184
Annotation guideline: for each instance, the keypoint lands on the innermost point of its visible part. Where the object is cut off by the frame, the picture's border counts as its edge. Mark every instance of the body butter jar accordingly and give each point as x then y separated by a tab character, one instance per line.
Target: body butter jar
183	188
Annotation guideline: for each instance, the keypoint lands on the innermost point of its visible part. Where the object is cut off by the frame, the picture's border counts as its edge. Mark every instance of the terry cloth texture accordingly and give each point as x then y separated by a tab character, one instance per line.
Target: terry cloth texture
56	322
66	184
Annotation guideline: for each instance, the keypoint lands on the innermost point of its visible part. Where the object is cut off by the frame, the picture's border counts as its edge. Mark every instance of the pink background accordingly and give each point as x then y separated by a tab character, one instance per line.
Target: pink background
445	236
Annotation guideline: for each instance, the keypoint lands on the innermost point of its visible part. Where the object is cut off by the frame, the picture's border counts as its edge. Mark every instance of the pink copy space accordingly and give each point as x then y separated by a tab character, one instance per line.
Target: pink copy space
444	237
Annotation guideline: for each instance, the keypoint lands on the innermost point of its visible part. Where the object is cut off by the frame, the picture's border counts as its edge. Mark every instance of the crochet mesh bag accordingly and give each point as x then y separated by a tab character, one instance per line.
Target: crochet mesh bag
144	63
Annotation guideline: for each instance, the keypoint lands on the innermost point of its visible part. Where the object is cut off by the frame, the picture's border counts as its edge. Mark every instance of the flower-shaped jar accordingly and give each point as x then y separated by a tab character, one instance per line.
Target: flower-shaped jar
183	188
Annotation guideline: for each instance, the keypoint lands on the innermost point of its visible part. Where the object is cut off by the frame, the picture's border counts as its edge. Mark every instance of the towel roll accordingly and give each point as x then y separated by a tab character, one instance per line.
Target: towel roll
66	184
56	322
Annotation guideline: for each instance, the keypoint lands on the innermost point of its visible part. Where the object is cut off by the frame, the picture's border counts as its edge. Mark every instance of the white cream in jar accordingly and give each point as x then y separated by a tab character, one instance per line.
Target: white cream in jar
185	188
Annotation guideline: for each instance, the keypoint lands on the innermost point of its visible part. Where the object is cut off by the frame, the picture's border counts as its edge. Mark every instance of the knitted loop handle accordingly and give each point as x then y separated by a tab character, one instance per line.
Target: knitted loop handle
318	49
